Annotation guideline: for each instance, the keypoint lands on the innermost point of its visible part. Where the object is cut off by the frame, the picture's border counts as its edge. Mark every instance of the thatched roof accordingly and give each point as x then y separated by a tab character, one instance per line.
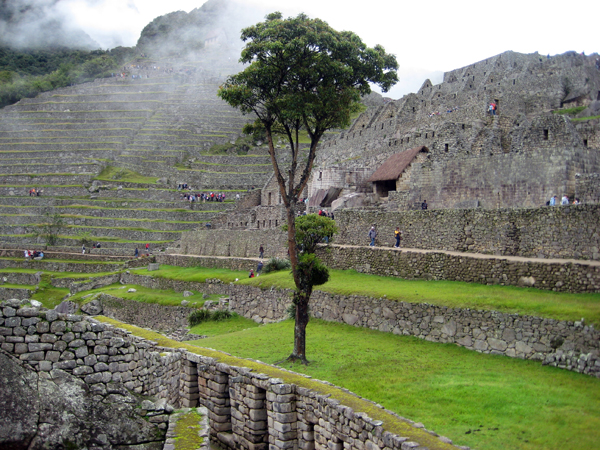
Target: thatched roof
393	167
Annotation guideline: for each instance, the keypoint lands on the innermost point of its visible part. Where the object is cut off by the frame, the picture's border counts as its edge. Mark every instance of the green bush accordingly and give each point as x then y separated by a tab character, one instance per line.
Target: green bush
199	316
221	314
276	264
204	315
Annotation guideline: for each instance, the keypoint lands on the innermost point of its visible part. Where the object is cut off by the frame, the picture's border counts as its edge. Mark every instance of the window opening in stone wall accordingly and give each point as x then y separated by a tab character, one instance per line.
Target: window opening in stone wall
413	109
425	135
269	204
270	223
473	77
545	135
276	223
514	81
382	126
280	199
264	223
407	140
445	147
463	126
585	142
432	134
320	175
598	98
470	86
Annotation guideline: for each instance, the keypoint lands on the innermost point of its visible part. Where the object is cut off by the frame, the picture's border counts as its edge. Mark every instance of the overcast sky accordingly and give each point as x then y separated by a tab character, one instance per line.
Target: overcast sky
426	37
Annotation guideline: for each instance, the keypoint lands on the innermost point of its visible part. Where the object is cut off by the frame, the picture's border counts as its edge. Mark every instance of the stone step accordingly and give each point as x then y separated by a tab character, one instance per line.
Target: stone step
118	213
19	221
80	168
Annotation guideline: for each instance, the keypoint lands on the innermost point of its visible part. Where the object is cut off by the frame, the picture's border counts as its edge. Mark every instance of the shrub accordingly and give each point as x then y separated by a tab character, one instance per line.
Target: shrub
199	316
275	264
221	314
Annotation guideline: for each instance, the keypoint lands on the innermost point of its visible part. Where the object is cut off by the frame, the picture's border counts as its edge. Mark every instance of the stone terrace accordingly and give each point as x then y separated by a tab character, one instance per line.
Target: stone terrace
60	142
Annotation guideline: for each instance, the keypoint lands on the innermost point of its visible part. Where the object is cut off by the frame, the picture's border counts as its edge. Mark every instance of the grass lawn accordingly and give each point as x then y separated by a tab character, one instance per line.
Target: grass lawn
454	294
483	401
166	297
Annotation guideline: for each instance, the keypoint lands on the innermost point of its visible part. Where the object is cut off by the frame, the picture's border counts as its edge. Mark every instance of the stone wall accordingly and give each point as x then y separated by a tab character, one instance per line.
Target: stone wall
97	353
237	243
150	315
547	232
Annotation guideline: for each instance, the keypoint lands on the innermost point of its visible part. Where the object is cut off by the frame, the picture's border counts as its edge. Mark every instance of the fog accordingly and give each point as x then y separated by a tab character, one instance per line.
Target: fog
427	38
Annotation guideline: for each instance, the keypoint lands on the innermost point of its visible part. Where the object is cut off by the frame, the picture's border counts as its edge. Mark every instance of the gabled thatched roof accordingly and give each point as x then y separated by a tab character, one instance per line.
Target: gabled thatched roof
393	167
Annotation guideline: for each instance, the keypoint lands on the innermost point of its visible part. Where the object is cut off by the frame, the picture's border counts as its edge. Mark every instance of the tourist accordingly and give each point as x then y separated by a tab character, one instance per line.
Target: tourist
576	201
147	247
137	253
424	205
259	268
372	235
83	249
564	200
261	252
251	275
552	201
397	236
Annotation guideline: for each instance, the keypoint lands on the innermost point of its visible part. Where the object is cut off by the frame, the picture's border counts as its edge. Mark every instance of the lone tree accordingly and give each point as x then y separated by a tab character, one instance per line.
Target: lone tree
303	76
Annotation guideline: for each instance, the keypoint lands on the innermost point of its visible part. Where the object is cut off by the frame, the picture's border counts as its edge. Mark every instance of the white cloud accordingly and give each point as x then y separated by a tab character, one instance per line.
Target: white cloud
438	35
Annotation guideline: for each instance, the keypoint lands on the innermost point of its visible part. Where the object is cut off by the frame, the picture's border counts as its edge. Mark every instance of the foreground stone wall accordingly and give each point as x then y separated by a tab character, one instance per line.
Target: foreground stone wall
247	410
97	353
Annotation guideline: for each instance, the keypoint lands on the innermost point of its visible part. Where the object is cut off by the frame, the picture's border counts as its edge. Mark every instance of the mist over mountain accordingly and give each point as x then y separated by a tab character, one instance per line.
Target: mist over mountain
216	24
40	24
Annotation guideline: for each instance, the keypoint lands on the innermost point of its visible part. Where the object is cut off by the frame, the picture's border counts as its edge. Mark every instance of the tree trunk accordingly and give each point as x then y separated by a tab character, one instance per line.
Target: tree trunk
301	299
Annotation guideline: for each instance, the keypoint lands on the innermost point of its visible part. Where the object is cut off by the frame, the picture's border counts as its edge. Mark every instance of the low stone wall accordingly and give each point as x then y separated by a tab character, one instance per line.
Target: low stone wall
21	293
150	315
208	261
557	275
238	243
20	278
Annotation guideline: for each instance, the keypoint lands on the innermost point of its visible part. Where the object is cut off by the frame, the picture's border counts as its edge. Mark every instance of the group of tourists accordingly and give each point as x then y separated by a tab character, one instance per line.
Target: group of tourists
36	254
563	201
203	197
33	192
492	109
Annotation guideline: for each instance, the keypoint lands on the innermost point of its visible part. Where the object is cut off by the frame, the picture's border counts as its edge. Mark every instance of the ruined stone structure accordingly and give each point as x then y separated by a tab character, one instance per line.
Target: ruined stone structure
519	157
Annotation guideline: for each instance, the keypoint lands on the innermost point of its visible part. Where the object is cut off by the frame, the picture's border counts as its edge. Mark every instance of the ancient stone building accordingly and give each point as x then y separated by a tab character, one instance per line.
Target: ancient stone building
520	156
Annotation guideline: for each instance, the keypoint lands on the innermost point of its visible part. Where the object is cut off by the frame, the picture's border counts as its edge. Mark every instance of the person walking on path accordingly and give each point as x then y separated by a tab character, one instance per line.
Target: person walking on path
259	268
261	252
147	247
83	249
397	235
372	235
137	253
